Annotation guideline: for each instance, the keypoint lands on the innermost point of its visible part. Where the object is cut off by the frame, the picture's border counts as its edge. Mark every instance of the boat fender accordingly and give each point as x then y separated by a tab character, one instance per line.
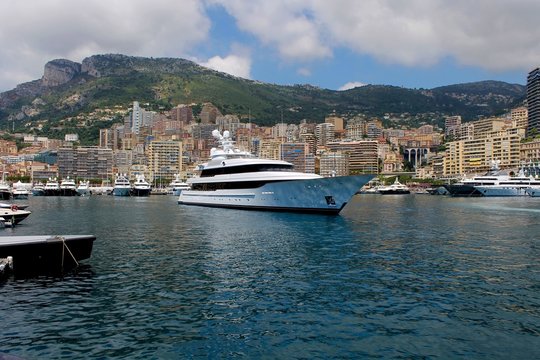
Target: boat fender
14	207
223	163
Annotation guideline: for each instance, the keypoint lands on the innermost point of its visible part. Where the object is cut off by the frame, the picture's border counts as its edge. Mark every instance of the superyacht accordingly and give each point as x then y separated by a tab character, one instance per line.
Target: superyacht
519	185
122	186
68	187
141	187
237	179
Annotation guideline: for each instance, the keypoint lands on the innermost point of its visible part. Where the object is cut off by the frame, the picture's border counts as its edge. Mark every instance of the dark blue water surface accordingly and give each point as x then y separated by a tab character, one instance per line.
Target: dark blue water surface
414	276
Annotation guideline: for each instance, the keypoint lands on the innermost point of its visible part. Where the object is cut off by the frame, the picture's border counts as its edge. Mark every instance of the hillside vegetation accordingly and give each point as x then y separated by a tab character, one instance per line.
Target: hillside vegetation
68	89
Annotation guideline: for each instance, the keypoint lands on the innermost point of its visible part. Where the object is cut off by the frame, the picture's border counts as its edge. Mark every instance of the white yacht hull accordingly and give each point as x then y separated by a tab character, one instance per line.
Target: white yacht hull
322	195
502	191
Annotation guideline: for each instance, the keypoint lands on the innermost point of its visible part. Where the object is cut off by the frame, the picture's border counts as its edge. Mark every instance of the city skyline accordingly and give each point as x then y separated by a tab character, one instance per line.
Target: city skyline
333	45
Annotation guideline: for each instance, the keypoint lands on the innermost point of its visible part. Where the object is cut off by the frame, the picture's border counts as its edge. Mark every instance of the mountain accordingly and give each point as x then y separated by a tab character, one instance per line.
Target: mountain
68	88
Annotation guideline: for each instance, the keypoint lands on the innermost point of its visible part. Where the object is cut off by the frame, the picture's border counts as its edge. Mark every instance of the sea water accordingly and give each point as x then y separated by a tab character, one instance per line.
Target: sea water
405	276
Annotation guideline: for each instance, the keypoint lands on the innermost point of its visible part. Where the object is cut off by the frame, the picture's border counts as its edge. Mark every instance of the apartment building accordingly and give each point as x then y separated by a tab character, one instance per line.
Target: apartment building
85	162
362	155
164	159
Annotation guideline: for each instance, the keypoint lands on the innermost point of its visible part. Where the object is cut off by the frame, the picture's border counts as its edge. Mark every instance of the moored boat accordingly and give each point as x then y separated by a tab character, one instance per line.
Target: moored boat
68	187
141	187
19	191
122	186
52	188
84	188
177	185
396	188
510	186
5	191
38	189
237	179
467	187
14	214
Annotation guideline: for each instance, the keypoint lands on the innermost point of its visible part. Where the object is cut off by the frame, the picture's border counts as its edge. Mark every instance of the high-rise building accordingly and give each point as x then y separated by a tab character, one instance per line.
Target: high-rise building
519	117
298	154
86	162
363	157
334	163
452	125
164	159
533	101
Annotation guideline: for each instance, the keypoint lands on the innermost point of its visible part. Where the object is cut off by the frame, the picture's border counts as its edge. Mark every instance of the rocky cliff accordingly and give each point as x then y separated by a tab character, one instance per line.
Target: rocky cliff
59	71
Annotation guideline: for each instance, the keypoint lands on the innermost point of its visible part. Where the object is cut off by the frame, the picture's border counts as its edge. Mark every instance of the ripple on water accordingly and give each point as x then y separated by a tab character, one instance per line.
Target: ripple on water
392	277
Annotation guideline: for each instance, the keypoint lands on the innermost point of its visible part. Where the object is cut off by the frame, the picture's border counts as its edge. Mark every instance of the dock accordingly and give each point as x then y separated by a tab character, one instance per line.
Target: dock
46	253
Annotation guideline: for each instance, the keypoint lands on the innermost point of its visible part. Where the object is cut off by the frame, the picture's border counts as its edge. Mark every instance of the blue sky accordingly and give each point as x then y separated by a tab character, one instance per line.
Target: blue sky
330	44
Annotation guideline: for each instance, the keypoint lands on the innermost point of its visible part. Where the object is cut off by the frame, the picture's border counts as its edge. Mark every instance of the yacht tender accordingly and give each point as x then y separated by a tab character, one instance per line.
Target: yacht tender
237	179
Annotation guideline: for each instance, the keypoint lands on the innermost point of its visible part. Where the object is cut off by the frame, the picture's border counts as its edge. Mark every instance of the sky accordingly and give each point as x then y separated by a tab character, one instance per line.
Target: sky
332	44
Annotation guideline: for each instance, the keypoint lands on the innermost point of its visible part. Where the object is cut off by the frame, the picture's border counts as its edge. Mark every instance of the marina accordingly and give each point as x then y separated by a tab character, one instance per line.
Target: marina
391	276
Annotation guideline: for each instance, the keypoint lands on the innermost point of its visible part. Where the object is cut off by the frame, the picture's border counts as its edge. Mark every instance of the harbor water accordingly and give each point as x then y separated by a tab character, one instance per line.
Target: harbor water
411	276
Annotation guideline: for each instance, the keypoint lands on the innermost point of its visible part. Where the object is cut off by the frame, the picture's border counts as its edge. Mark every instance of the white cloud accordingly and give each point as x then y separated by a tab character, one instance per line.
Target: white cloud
304	71
33	32
490	34
236	65
285	25
496	35
351	85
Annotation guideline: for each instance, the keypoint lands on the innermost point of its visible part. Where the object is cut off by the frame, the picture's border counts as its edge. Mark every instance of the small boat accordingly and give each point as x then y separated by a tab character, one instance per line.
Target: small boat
122	186
396	188
141	187
4	205
84	188
46	253
19	191
52	188
14	214
68	187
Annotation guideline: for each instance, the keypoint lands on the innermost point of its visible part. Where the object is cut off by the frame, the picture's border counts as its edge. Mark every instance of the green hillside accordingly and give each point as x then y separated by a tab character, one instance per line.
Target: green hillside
108	80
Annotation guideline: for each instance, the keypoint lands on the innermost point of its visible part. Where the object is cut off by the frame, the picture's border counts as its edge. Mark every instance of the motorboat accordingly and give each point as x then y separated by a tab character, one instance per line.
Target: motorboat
467	186
177	185
511	186
122	186
140	187
237	179
83	189
396	188
4	205
19	191
38	189
68	187
14	214
52	188
5	191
